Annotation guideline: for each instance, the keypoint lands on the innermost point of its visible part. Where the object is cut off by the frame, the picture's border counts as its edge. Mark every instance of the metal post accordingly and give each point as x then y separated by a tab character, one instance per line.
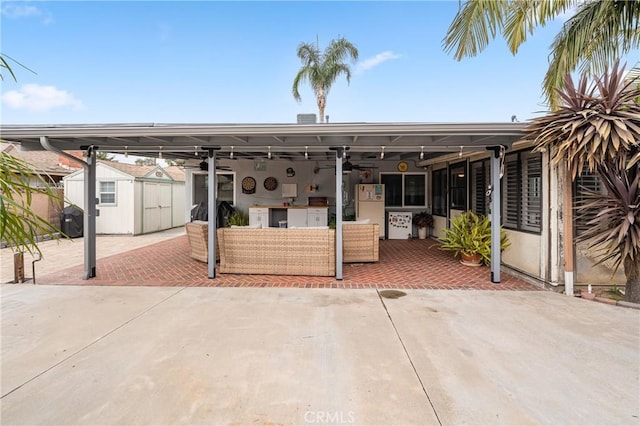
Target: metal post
89	231
90	213
339	214
495	215
212	211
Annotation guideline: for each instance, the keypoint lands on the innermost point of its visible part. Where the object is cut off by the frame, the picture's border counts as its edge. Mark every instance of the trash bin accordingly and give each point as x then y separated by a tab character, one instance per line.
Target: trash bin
72	221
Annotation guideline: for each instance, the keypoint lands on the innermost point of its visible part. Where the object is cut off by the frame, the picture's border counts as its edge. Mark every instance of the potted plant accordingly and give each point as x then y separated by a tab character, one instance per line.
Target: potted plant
422	220
470	237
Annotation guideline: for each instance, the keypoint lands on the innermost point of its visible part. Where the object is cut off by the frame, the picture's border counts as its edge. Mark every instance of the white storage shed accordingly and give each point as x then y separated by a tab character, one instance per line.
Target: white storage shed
132	199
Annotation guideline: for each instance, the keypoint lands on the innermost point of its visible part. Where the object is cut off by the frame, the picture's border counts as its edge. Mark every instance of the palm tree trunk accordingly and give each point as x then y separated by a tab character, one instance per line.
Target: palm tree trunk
322	103
632	271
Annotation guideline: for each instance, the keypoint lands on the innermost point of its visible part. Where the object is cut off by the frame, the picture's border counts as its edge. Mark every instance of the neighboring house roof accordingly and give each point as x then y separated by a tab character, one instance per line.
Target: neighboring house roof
130	169
44	162
176	172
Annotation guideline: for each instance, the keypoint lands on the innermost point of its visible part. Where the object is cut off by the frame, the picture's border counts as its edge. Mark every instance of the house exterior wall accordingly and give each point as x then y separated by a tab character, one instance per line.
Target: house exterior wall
524	252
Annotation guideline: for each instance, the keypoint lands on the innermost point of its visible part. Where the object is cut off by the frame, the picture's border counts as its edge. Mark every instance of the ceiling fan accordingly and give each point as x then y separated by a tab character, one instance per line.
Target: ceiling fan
204	166
347	167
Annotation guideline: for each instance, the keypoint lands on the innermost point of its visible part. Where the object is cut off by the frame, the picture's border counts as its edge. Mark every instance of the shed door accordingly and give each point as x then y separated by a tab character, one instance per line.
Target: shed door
156	206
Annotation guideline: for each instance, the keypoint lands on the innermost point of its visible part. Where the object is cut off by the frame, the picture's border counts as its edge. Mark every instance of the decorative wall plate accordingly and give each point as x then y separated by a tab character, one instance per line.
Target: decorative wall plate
403	166
270	183
248	185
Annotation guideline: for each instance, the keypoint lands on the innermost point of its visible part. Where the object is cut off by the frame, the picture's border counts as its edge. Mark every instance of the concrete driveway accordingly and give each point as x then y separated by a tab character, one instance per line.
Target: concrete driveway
145	355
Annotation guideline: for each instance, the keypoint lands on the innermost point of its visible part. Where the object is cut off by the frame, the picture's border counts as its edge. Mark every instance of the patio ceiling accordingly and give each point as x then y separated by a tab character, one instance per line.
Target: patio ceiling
285	141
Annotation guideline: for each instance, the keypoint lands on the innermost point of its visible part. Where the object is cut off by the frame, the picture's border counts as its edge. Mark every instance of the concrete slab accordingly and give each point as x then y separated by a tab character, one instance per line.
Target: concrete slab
223	356
42	326
522	357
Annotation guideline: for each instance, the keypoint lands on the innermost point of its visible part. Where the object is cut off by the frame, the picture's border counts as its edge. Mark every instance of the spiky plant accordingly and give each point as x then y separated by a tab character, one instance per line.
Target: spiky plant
598	129
20	226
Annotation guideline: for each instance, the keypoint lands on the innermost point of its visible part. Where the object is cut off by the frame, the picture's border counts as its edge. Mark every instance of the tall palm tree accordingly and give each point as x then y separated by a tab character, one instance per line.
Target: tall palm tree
596	34
597	128
322	69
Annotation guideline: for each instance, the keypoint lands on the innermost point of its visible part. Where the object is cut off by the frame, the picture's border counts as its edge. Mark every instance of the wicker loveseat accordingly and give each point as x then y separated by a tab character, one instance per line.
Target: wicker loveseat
277	251
360	242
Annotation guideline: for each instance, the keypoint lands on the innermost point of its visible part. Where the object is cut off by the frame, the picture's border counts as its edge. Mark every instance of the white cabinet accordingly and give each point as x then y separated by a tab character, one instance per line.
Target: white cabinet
317	216
296	217
259	216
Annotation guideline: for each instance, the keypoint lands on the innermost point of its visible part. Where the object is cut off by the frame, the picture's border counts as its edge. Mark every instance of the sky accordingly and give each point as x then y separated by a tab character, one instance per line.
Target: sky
234	62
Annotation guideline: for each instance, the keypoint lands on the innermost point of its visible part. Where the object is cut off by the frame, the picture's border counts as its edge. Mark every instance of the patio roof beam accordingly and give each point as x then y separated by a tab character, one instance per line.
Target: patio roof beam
239	139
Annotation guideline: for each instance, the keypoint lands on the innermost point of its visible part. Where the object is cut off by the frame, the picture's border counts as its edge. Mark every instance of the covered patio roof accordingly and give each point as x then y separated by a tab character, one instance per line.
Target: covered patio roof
184	141
292	141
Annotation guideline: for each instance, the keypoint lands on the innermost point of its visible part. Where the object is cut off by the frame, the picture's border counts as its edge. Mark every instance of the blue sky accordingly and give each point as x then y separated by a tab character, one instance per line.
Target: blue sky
234	62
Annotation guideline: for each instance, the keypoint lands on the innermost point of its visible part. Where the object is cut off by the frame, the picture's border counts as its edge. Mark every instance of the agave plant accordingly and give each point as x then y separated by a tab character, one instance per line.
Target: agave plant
598	129
614	230
20	226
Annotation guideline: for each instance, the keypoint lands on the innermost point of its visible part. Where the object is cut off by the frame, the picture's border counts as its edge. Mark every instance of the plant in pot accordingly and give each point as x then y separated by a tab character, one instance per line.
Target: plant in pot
423	221
470	237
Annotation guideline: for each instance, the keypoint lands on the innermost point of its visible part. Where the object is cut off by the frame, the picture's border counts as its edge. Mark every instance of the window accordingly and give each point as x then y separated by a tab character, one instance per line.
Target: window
107	192
522	192
585	184
439	191
404	189
480	180
226	187
458	186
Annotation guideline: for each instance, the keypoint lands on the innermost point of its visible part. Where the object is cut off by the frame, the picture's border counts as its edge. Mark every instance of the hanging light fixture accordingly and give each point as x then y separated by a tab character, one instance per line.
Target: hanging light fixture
231	153
160	153
306	152
195	150
382	152
269	153
126	152
344	151
422	152
460	153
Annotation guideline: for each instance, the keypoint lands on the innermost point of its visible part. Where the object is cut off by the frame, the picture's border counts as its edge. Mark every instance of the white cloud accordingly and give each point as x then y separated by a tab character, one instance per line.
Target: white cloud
34	97
15	10
367	64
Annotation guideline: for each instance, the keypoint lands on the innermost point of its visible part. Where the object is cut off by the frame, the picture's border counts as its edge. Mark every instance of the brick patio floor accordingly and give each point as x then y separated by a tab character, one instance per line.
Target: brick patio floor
404	264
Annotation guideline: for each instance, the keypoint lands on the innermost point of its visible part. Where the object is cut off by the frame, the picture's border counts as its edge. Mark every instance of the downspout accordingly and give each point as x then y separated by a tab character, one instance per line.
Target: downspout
89	203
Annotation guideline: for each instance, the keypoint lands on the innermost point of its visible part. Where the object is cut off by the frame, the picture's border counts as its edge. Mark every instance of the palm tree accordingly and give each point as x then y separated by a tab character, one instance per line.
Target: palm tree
20	226
596	34
597	128
323	68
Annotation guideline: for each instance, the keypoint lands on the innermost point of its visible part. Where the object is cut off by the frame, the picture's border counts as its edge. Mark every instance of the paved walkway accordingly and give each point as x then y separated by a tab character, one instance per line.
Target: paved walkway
86	355
163	260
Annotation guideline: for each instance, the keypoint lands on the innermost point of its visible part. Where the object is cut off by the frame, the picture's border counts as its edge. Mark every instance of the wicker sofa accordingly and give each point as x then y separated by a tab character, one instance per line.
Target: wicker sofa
198	235
277	251
360	242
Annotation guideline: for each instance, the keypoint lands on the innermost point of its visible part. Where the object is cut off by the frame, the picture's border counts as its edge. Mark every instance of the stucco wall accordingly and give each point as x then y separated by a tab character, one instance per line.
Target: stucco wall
588	273
524	252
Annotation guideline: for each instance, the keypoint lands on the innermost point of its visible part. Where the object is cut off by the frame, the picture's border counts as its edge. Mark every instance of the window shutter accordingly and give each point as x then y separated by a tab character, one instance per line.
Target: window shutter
511	193
531	212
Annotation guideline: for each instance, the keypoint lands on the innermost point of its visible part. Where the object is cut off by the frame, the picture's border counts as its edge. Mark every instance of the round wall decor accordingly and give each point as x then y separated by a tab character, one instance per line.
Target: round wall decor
403	166
270	183
248	185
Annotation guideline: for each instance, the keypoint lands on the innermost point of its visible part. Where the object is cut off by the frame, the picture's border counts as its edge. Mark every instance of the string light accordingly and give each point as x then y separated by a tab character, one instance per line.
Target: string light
126	152
382	152
231	153
344	152
460	153
306	152
195	150
160	153
422	152
269	153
